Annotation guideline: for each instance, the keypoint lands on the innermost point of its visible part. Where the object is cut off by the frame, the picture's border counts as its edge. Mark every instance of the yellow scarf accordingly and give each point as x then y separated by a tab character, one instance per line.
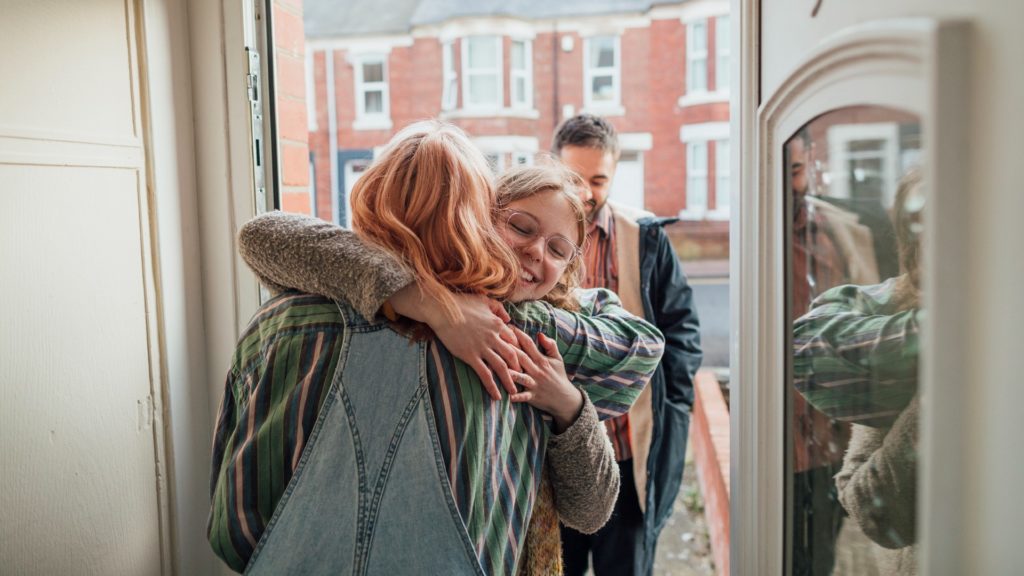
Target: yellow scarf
542	555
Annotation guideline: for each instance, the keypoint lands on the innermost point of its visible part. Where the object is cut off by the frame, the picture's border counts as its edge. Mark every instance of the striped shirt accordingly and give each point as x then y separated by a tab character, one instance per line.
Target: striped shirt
855	354
281	372
602	271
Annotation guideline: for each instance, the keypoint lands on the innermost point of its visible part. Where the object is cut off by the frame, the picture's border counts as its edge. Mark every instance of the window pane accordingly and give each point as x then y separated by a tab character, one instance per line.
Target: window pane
696	176
451	91
518	56
483	52
854	305
494	161
722	172
723	63
519	95
698	75
602	89
696	193
374	102
602	52
373	72
483	89
722	72
699	41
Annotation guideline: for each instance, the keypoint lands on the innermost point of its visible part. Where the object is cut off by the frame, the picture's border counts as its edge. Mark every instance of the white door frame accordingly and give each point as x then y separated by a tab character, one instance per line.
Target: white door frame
915	65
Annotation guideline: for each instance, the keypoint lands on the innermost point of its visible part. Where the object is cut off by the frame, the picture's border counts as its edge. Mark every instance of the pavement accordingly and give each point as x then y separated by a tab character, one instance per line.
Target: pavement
683	547
711	297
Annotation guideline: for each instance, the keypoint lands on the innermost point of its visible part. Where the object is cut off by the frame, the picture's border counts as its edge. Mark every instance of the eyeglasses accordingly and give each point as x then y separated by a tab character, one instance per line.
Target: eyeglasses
524	229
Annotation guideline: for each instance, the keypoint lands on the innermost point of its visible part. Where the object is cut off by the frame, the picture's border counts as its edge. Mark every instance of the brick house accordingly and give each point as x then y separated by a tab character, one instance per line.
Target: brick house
508	74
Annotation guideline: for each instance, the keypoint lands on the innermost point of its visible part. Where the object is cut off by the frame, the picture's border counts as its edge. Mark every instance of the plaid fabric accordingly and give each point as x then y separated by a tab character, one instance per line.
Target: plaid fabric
281	372
601	267
855	354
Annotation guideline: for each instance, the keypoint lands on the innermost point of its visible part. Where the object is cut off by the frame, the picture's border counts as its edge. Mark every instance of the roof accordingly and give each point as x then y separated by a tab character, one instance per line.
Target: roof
337	18
333	18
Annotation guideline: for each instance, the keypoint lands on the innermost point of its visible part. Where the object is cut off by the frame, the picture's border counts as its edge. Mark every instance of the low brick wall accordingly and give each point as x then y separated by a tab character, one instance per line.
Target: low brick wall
710	438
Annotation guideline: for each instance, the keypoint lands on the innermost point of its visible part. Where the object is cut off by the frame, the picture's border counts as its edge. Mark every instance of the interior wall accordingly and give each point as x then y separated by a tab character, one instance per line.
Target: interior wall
173	181
83	466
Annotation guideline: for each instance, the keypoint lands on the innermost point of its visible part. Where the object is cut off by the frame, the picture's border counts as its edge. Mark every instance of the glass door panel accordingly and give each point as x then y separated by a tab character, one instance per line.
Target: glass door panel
853	226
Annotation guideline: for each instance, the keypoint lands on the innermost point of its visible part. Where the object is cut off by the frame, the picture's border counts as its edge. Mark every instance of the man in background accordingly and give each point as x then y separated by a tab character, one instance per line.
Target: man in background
629	252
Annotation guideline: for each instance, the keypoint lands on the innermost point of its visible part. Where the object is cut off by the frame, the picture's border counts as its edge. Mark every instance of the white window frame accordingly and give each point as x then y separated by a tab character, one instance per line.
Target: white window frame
723	54
696	171
469	73
916	66
613	108
525	73
722	176
702	133
364	120
696	54
839	138
450	78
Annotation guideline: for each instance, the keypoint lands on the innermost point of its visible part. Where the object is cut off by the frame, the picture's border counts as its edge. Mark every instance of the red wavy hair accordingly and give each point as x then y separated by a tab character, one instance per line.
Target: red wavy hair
428	197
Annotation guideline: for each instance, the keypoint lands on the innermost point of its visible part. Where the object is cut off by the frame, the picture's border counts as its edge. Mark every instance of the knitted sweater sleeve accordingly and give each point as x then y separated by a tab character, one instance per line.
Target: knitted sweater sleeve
878	483
308	254
584	475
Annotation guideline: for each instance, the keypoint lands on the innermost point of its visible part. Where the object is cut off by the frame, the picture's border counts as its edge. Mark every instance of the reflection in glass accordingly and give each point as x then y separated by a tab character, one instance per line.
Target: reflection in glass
602	52
374	103
373	72
483	52
603	89
854	228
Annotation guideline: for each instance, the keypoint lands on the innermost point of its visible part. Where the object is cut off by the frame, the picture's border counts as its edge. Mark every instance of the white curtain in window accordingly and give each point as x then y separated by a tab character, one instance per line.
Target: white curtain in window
482	65
697	177
697	56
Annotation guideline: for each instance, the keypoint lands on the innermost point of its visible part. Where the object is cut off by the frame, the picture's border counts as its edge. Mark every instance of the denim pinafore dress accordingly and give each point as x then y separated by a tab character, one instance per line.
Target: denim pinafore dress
370	495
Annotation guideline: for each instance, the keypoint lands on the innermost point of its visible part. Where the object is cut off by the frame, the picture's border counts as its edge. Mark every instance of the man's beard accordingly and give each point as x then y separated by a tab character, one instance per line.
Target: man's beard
591	207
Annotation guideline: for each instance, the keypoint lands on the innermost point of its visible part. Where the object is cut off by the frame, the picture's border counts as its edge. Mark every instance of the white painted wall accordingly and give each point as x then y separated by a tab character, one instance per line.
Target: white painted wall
172	153
82	470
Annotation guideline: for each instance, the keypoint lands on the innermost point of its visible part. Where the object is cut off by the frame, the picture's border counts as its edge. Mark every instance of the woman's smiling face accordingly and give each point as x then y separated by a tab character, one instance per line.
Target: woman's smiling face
544	227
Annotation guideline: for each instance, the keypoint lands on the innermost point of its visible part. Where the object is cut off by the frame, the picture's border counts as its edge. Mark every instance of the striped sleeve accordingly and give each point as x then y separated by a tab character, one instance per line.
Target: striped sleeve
607	351
855	355
278	381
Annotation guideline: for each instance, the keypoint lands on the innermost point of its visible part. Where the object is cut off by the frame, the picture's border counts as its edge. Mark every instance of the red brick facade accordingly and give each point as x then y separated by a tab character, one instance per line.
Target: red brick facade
290	102
652	79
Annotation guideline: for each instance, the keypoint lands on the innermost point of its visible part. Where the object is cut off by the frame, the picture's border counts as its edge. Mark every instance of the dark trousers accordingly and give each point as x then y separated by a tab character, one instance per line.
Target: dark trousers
817	517
617	548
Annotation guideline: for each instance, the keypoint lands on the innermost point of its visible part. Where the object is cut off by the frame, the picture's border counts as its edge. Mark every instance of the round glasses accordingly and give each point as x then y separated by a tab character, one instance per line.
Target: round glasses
524	229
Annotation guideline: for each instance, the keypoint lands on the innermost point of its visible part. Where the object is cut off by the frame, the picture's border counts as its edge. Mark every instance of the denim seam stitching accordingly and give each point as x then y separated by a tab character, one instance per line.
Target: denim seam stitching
385	472
442	475
314	437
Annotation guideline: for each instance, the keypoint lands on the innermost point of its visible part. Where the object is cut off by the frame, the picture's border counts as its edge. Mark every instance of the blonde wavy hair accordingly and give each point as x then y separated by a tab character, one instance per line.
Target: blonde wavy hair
429	198
550	175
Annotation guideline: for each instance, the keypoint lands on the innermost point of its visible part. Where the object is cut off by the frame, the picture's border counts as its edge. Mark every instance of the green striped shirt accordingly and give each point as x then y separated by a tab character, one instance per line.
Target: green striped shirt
493	450
855	354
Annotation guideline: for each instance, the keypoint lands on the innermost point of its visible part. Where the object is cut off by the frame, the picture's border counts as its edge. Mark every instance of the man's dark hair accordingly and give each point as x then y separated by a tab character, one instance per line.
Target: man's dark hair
586	131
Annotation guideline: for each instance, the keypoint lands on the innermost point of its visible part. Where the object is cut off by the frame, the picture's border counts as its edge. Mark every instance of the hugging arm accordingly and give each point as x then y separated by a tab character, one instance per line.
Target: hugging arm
311	255
608	352
855	354
584	475
308	254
